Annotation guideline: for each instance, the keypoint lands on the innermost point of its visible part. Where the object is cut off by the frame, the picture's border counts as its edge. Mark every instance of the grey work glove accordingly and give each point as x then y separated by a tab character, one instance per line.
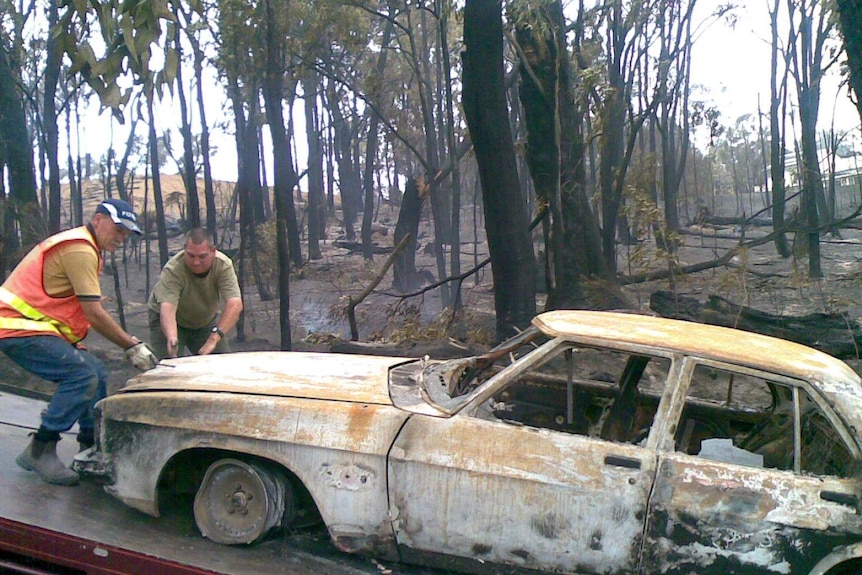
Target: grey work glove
141	356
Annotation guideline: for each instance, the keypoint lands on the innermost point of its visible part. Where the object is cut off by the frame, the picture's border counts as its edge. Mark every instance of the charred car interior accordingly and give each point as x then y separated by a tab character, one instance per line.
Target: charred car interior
731	413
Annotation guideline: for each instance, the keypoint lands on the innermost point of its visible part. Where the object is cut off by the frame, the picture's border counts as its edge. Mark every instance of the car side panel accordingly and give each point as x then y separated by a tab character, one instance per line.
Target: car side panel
337	449
533	498
713	517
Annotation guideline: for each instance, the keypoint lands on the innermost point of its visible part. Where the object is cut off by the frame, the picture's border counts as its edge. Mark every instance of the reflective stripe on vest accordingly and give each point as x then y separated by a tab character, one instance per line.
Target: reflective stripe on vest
33	320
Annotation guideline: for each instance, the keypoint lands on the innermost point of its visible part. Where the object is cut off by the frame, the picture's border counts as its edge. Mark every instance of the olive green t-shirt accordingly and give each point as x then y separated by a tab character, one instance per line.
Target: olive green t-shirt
197	298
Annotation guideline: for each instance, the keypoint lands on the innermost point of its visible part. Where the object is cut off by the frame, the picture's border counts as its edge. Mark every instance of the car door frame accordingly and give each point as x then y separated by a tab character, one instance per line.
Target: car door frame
571	504
716	517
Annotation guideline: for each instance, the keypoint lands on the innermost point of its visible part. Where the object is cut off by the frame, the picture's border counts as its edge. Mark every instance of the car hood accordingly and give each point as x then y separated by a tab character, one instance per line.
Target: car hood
337	377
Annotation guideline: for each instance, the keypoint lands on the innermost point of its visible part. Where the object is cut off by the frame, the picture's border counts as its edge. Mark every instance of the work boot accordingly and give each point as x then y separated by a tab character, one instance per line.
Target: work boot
41	456
86	440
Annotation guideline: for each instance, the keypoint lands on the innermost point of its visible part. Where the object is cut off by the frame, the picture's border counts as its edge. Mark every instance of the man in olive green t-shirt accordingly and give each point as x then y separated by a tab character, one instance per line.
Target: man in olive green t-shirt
183	306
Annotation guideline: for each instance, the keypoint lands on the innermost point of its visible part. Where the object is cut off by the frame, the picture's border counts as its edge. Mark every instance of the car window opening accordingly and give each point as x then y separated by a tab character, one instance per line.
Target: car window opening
752	420
599	393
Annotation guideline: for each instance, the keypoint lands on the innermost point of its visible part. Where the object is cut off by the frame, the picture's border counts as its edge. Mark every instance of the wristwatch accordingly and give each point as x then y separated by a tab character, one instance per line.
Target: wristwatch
216	329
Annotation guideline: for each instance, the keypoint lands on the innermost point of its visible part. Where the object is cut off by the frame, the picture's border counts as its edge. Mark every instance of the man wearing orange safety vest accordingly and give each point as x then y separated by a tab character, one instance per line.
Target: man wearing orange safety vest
47	305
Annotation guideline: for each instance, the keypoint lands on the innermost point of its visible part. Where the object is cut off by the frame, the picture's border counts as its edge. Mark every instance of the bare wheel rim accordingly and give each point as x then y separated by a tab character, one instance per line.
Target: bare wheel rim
238	502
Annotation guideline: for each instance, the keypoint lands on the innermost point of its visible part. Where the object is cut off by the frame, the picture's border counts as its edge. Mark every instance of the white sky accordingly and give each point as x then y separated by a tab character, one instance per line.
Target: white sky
734	64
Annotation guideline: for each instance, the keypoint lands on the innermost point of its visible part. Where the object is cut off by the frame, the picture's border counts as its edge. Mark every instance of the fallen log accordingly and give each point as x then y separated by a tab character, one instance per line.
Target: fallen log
834	333
675	306
356	247
732	221
438	349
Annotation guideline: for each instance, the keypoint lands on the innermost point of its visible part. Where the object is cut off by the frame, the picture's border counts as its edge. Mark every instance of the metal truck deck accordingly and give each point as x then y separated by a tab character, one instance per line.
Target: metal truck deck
53	529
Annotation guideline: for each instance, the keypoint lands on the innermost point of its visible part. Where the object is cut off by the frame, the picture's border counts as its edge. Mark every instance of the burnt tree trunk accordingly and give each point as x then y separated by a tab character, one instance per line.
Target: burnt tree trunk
371	142
850	23
506	219
351	193
405	278
777	106
188	170
49	121
315	205
153	143
209	193
17	154
285	178
555	153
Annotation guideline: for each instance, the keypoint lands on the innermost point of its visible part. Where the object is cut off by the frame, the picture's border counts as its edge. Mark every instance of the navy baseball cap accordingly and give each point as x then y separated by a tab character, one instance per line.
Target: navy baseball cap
121	213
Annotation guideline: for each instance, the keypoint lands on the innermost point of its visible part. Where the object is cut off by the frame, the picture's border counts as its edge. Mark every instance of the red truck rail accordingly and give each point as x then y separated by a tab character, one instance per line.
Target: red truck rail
33	550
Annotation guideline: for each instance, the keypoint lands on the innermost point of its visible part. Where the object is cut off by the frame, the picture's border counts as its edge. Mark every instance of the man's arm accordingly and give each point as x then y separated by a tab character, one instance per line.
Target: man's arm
230	315
228	319
168	321
103	323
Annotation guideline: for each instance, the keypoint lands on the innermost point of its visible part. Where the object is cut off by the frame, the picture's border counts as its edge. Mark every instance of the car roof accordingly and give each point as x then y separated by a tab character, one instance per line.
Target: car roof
697	339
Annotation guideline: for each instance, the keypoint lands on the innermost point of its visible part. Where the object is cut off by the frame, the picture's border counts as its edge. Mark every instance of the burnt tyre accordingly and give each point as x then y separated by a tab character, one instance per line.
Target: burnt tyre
239	502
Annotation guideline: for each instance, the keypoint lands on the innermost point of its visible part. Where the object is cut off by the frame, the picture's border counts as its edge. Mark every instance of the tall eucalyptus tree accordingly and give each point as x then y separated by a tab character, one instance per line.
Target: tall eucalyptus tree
312	86
444	10
811	24
50	127
345	129
506	222
554	111
672	100
20	220
777	128
187	166
374	96
209	192
850	23
286	178
17	156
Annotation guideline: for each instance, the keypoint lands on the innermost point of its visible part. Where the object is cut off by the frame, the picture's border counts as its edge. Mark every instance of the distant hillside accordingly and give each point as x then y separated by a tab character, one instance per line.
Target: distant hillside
173	194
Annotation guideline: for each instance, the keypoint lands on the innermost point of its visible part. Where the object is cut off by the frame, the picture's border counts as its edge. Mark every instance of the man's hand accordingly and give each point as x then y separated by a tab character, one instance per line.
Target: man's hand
173	347
209	345
141	356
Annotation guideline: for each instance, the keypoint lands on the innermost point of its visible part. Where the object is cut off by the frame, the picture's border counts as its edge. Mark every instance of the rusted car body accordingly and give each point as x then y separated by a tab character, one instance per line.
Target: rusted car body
616	443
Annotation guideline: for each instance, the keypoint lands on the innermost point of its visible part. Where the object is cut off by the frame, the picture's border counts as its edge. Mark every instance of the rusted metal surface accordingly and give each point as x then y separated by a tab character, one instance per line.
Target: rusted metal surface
359	378
336	449
412	455
533	499
716	516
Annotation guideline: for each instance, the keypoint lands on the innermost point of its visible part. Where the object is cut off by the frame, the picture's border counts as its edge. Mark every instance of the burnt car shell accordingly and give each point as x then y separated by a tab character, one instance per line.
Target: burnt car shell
403	455
296	413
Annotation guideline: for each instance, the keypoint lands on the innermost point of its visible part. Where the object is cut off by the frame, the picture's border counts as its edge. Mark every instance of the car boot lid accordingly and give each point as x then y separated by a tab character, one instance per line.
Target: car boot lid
359	378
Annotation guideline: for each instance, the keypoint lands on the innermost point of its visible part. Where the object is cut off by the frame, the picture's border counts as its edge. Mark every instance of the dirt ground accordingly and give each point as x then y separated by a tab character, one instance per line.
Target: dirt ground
416	326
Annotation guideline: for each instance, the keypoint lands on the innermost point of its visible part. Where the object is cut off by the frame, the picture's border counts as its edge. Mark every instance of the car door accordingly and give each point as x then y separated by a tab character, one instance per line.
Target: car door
765	490
496	492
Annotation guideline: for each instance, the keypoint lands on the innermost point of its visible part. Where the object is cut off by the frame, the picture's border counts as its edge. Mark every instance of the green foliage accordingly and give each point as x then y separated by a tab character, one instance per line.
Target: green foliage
129	31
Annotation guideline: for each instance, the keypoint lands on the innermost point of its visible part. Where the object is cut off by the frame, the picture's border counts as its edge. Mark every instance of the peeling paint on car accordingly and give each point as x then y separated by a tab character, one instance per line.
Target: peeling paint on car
350	477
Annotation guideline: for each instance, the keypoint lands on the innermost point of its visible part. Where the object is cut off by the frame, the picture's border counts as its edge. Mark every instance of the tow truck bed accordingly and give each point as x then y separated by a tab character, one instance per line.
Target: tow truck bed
84	530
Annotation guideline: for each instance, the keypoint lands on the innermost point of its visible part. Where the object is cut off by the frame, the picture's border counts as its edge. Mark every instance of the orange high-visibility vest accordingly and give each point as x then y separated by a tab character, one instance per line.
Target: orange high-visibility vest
27	309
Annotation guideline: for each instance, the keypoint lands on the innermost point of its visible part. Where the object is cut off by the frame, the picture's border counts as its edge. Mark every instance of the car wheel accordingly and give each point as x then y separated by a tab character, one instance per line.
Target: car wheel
240	502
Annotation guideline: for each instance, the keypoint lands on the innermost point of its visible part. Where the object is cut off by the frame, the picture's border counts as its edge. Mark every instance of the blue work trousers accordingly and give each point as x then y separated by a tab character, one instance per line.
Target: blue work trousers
80	377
